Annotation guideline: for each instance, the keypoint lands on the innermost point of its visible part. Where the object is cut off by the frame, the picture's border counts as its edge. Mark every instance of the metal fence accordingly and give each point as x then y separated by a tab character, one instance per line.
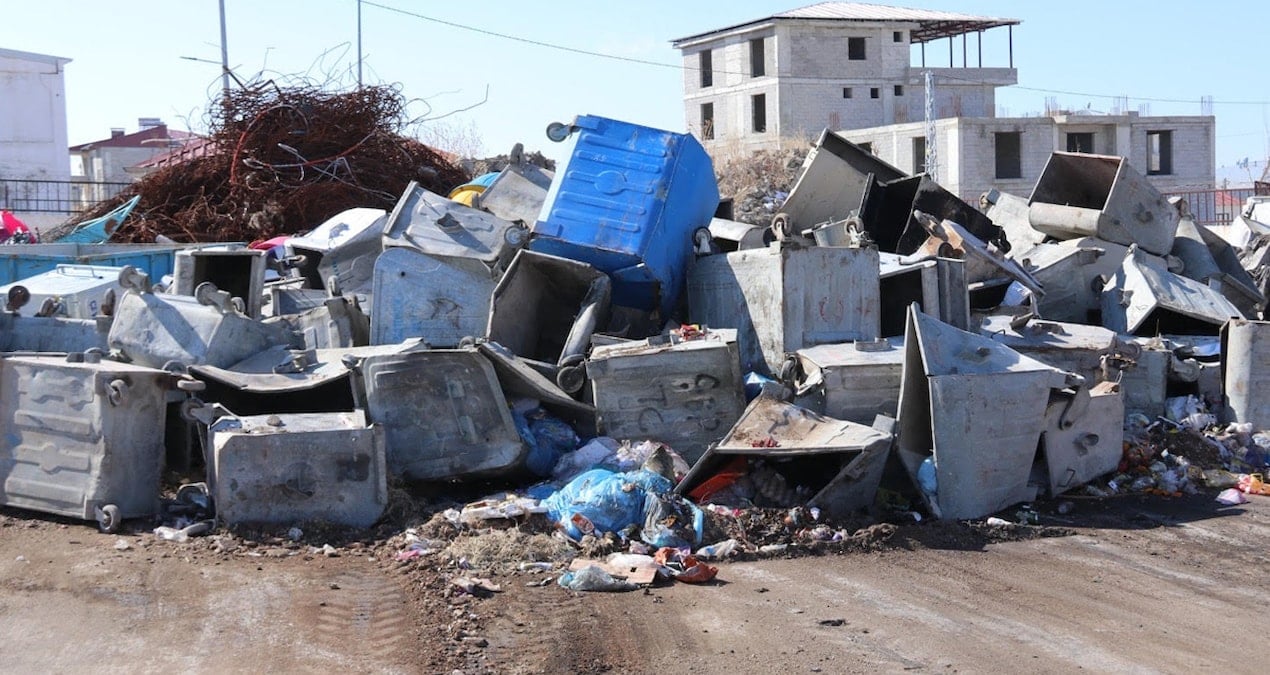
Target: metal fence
1218	207
54	196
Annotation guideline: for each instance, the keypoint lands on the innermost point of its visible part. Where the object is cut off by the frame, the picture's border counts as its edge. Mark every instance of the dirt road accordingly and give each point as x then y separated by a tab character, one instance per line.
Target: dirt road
1143	584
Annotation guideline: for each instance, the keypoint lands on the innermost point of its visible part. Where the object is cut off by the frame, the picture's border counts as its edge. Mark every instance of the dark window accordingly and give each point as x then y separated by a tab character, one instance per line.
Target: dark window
874	92
1159	153
855	49
757	60
899	90
867	147
919	154
759	112
1080	142
846	92
1009	148
707	121
706	65
898	36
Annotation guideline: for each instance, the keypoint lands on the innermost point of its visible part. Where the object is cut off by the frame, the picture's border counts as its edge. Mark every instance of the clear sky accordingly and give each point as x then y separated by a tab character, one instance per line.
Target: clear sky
128	58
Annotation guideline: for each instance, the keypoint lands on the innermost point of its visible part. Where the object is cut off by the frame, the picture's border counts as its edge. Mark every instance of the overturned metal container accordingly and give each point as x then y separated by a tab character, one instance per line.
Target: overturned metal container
730	235
518	192
443	413
339	255
988	272
971	413
1246	346
889	215
852	381
236	270
1010	213
1145	385
440	300
1072	273
1084	435
1083	195
338	323
684	391
1145	298
453	232
1093	352
81	436
545	309
297	468
839	463
937	285
835	176
781	299
155	330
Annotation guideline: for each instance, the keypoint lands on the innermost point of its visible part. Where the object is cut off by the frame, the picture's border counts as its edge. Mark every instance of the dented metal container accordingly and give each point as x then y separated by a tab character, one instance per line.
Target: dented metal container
451	231
81	436
1145	298
52	333
1246	346
1084	435
236	270
1072	274
852	381
1010	213
1093	352
1145	385
628	201
781	299
518	192
418	295
834	178
840	462
937	285
300	468
343	248
443	413
971	413
730	235
685	392
545	309
153	330
74	291
889	216
337	323
1083	195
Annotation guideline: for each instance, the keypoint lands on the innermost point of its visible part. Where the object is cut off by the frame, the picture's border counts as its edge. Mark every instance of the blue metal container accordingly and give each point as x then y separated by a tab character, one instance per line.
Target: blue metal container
27	260
627	201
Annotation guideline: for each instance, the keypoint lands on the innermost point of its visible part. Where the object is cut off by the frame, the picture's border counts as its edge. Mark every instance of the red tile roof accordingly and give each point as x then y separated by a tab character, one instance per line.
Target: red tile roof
135	140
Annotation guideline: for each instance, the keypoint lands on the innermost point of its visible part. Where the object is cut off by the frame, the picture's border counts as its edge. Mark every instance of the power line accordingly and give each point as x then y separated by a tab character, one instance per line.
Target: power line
660	64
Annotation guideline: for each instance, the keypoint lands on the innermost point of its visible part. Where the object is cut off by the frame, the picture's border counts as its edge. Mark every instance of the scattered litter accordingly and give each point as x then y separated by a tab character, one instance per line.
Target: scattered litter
594	578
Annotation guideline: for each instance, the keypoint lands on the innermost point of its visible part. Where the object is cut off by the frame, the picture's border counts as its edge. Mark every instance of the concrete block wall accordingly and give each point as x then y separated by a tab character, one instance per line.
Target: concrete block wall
1194	151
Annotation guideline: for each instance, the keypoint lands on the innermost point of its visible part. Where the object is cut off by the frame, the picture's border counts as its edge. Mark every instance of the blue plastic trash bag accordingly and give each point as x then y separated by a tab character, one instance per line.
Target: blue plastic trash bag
671	520
609	502
547	438
754	385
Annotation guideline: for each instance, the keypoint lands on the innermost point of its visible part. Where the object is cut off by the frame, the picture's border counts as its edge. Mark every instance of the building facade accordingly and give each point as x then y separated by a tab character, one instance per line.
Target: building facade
837	65
974	154
33	117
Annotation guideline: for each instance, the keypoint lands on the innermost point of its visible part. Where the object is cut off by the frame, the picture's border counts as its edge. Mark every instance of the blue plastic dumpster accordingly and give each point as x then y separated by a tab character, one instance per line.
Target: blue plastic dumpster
627	201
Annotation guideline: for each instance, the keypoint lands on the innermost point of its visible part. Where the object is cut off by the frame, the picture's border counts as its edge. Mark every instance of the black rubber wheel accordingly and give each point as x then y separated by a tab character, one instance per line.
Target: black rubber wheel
109	519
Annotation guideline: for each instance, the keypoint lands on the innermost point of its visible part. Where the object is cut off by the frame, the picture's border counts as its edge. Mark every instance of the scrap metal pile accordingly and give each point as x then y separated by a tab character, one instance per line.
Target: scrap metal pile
632	366
279	159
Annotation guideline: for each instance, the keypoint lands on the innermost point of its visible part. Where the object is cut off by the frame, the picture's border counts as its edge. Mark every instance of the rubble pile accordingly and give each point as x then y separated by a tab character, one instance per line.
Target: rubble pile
758	182
632	385
280	159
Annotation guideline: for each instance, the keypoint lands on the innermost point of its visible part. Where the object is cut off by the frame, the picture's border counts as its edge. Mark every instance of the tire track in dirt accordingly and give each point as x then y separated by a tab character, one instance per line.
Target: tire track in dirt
365	615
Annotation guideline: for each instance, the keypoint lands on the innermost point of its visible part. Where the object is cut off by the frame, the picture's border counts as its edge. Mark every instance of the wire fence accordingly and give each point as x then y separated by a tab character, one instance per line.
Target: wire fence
54	196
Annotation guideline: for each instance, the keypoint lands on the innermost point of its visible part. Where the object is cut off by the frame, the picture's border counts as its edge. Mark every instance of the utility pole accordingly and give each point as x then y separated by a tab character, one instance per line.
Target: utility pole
359	44
224	54
932	153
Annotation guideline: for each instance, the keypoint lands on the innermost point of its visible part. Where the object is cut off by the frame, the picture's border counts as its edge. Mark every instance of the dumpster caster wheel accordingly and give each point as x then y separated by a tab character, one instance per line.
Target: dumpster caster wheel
108	519
781	228
571	379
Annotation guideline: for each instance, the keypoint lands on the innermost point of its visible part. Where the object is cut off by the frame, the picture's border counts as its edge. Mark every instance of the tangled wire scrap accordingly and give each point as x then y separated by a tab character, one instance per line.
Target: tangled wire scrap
281	160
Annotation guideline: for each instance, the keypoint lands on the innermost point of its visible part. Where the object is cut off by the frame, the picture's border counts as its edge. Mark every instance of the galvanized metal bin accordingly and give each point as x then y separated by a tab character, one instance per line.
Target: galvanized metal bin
285	469
843	460
1246	346
1093	352
1010	213
684	392
237	271
418	295
1072	274
888	217
833	182
1145	298
1082	195
975	409
627	201
1145	385
81	437
518	192
782	299
443	413
545	309
153	330
937	285
1084	435
451	231
52	333
852	381
343	248
77	290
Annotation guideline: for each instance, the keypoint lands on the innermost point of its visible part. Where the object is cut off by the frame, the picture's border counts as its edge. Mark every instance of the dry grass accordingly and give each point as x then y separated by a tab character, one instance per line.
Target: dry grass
507	548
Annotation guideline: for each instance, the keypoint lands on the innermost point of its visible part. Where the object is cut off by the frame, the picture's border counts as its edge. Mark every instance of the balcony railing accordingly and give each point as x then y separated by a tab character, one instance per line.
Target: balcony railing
1218	207
54	196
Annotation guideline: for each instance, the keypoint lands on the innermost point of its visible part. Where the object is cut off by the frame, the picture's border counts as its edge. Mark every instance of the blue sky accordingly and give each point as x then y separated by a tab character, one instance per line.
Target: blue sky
127	58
